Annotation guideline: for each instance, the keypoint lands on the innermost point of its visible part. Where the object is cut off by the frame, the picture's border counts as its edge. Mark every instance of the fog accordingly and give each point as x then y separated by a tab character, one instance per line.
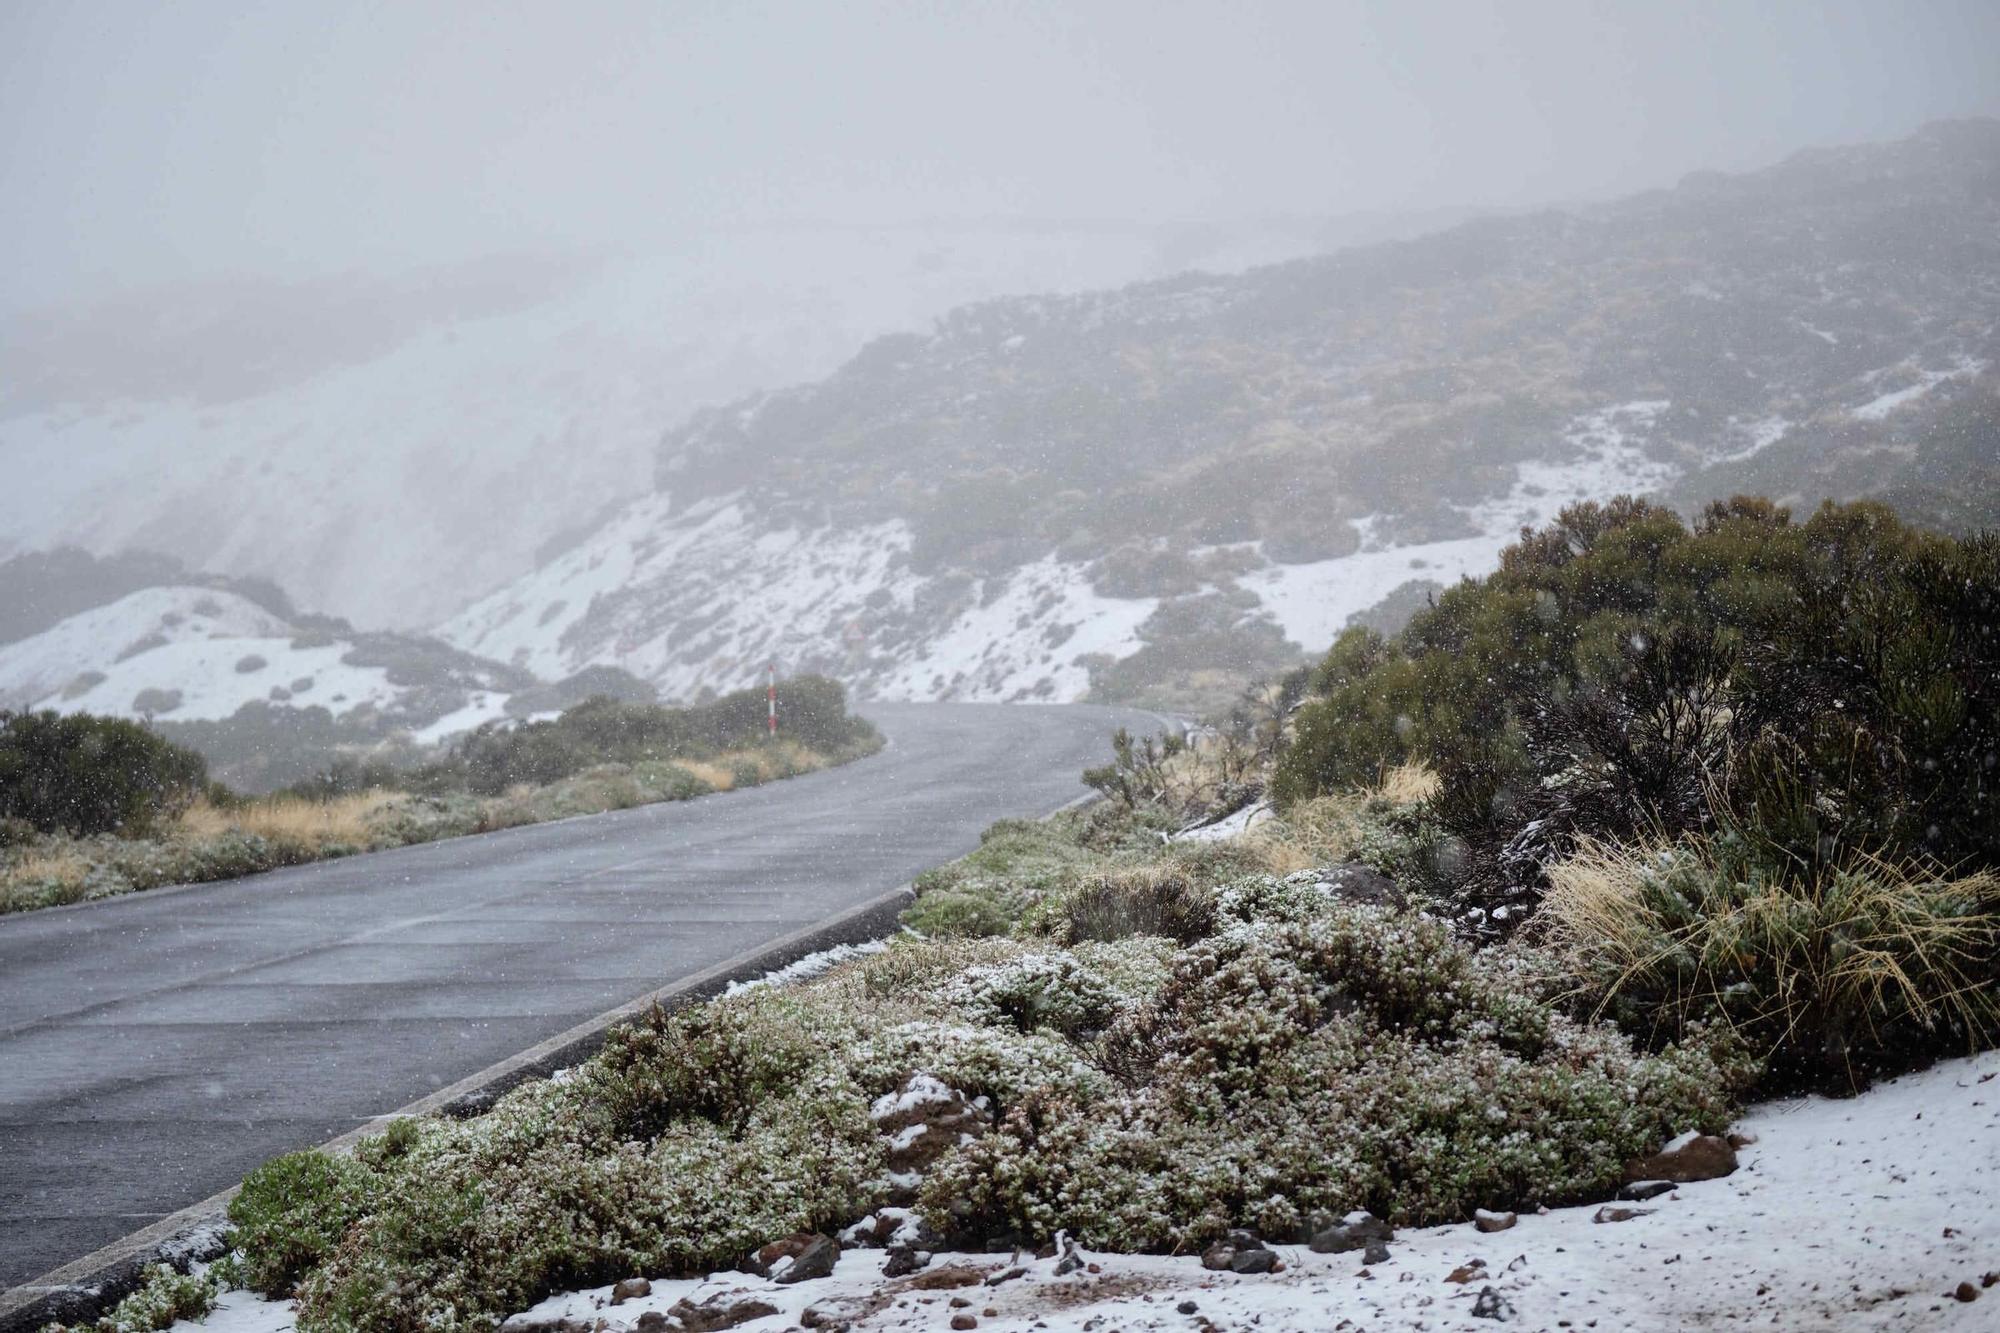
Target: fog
148	143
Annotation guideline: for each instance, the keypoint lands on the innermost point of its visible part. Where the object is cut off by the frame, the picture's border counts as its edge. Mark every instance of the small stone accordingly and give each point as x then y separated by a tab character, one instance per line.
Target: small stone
1610	1213
1217	1257
1468	1272
961	1322
1068	1258
1187	1307
1989	1279
1689	1157
903	1261
1491	1222
1966	1292
723	1310
961	1302
1641	1190
1492	1305
1376	1253
631	1289
1006	1275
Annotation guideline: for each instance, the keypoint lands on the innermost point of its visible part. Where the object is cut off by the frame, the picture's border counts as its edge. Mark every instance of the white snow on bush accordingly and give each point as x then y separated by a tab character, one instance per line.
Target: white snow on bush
1862	1214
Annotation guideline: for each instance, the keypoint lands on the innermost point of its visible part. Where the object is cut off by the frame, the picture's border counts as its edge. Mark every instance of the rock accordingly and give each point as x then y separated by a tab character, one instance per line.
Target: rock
1358	883
814	1261
947	1277
1492	1305
651	1322
1740	1138
926	1118
1490	1222
1966	1292
1217	1257
1989	1279
1376	1253
1612	1213
1641	1190
1468	1272
761	1261
961	1322
630	1289
1006	1275
1187	1307
723	1310
1069	1259
836	1314
1257	1260
1352	1232
903	1261
1689	1157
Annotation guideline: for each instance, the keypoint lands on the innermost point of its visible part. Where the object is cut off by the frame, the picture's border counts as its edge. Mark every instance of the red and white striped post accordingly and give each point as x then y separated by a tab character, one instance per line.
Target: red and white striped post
771	699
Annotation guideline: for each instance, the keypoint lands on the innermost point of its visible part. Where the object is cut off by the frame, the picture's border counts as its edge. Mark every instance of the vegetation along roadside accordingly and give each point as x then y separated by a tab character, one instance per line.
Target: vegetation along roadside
91	807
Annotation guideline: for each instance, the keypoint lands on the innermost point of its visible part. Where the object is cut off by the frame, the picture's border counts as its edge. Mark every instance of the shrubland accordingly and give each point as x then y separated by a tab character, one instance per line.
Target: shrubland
1657	818
1163	1041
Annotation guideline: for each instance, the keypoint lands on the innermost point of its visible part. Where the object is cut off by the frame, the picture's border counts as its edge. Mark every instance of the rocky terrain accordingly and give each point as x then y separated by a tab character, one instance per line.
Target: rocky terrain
1158	491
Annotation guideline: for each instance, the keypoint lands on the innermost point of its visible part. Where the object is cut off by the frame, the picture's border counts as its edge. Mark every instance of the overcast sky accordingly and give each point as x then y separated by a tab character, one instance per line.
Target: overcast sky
145	142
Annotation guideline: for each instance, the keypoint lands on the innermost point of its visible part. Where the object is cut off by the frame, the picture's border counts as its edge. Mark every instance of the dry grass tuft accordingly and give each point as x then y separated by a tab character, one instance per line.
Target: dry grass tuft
1326	829
290	820
60	868
1831	971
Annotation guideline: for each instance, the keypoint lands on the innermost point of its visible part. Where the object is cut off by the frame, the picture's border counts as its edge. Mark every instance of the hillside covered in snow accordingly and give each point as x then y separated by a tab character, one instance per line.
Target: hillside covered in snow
1158	492
389	448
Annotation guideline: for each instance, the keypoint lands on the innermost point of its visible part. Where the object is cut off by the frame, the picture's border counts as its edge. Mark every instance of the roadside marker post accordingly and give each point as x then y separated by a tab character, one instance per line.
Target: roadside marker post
771	699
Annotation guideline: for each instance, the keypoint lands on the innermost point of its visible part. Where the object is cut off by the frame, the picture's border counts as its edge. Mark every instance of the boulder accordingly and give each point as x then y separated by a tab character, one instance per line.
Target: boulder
1352	1232
630	1289
1490	1222
1689	1157
799	1257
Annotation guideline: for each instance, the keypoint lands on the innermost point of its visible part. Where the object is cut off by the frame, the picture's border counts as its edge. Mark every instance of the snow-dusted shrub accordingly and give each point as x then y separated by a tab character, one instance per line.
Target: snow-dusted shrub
163	1297
1036	991
292	1211
1356	1060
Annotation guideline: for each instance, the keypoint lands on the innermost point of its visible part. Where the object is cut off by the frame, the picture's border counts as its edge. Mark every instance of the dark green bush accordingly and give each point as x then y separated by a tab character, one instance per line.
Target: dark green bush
82	774
1623	671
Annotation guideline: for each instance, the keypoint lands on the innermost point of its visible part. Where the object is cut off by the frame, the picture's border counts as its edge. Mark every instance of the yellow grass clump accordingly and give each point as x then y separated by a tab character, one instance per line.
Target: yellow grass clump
1817	966
1326	829
290	820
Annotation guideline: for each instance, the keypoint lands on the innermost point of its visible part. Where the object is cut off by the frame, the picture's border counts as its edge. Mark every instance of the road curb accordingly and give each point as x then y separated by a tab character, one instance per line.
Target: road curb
87	1287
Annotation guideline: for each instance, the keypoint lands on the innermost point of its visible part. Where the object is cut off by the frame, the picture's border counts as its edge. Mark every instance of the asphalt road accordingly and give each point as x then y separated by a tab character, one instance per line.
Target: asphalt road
155	1047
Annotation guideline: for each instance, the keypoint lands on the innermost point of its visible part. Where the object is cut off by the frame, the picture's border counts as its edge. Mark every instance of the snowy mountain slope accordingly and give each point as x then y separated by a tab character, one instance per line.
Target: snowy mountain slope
390	452
700	600
200	654
1186	474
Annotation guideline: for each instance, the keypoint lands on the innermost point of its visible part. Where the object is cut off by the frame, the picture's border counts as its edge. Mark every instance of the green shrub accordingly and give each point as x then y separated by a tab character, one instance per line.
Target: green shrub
82	774
1622	672
291	1213
164	1296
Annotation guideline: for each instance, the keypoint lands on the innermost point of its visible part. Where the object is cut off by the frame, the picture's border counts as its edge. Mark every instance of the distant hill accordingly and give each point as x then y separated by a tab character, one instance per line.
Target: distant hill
1157	491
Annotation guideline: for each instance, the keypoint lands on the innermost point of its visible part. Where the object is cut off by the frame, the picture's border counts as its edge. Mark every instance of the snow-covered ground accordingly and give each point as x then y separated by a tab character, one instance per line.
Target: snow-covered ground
1844	1215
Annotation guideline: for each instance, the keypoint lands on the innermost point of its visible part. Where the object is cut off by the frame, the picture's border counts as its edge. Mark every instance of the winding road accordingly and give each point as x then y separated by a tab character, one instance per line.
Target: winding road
155	1047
